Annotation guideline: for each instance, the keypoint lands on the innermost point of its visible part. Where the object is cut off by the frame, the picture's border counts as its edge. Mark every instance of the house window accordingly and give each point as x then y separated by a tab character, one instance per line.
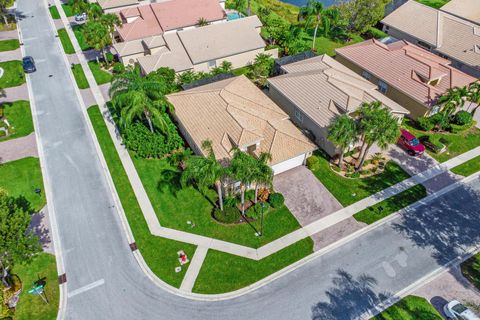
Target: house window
366	75
299	115
382	87
212	64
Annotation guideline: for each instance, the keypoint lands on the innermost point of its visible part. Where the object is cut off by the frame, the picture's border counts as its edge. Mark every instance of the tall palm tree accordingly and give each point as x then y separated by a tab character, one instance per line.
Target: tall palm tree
242	167
343	132
97	36
263	173
205	171
139	97
453	99
312	13
379	126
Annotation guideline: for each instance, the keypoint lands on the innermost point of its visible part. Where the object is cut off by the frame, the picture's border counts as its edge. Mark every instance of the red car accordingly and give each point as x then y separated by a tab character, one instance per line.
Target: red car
409	142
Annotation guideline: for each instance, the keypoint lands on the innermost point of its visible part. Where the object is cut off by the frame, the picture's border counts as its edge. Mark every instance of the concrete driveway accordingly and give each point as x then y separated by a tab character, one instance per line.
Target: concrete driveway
304	195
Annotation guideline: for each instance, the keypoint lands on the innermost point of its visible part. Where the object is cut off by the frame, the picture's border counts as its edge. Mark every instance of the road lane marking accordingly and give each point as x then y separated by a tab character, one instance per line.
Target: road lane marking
86	288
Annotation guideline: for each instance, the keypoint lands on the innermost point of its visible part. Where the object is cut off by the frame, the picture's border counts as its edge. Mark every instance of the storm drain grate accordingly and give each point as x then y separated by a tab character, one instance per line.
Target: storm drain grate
62	278
133	246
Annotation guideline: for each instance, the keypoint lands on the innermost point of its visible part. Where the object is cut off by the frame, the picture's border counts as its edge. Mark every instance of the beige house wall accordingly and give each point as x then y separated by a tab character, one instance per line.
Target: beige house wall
416	108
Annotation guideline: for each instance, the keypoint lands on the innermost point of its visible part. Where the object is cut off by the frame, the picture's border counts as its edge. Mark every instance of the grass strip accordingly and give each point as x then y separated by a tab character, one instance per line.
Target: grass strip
222	272
9	45
391	205
159	253
54	12
66	42
410	308
467	168
80	77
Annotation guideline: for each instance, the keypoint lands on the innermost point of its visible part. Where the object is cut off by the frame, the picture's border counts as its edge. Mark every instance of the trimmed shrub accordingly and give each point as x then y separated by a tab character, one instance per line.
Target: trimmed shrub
146	144
455	128
118	68
228	215
231	201
439	119
463	118
276	199
312	162
255	212
110	57
250	195
425	123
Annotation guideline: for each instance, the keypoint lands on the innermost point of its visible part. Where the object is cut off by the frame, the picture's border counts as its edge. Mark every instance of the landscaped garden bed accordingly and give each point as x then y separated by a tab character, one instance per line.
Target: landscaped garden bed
410	308
348	190
471	270
16	118
375	164
13	75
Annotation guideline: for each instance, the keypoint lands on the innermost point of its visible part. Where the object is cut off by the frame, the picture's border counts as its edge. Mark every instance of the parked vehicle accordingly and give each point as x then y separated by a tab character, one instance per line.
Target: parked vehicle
80	17
455	310
410	143
28	64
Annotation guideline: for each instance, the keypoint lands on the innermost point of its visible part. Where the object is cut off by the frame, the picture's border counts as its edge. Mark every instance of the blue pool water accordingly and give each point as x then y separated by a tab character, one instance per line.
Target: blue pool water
233	16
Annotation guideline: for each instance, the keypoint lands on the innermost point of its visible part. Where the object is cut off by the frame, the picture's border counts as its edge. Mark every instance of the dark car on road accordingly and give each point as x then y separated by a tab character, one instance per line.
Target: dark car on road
410	143
28	65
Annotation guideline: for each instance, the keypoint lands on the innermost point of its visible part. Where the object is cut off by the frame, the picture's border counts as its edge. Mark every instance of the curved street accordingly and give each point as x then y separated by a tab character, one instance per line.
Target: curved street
104	280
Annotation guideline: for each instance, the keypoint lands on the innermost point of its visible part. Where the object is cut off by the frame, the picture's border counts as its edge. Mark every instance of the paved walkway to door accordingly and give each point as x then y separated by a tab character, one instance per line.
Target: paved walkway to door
305	196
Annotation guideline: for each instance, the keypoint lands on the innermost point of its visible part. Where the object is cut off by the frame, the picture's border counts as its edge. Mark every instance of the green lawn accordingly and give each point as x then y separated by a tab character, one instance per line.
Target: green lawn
67	8
468	168
19	116
410	308
54	12
32	306
391	205
8	45
327	46
101	76
434	3
222	272
13	75
348	191
160	254
66	42
456	143
77	29
21	178
284	10
175	206
79	75
471	270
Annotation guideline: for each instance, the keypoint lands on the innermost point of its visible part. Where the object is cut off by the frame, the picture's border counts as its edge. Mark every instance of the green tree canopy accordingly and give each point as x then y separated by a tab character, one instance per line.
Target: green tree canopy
363	14
312	14
343	132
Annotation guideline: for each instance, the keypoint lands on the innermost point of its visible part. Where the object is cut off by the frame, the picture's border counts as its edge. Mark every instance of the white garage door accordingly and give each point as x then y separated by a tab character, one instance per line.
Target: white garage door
288	164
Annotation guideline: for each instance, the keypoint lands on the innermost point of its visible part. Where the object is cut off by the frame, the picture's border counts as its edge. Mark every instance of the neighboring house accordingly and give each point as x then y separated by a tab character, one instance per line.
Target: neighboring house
234	113
116	5
465	9
404	72
446	34
166	35
317	90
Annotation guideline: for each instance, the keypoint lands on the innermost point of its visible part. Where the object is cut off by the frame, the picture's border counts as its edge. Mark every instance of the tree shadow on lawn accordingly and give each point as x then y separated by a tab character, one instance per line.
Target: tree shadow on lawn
449	225
169	181
349	297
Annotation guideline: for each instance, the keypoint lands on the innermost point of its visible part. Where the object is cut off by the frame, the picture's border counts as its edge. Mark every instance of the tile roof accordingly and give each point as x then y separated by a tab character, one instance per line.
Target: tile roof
466	9
323	88
406	67
156	18
221	40
110	4
448	34
234	112
138	46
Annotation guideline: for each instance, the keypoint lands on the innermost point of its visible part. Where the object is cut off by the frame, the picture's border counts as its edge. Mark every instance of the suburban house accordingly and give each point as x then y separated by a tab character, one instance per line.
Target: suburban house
167	34
451	36
234	113
317	90
404	72
109	6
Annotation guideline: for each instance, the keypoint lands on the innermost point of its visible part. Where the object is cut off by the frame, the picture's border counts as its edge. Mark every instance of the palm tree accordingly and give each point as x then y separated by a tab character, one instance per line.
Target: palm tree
94	12
138	97
79	6
202	22
453	99
378	126
474	92
242	167
343	132
97	36
312	13
263	173
205	171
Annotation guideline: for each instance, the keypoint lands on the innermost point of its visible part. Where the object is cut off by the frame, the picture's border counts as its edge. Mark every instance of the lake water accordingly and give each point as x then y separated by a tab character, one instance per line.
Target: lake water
300	3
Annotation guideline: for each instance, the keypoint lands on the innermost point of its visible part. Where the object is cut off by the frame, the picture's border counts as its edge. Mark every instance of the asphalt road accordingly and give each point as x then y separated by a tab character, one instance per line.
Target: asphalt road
338	285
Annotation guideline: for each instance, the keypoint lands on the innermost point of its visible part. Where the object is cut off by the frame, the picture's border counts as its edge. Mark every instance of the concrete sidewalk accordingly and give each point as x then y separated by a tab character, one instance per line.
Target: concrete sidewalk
15	93
11	55
19	148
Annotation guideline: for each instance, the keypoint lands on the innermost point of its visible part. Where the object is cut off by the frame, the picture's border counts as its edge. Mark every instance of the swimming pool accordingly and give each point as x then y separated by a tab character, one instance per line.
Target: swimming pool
233	16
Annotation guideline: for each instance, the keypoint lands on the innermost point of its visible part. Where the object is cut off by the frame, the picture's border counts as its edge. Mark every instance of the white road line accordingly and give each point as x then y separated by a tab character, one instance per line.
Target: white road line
86	288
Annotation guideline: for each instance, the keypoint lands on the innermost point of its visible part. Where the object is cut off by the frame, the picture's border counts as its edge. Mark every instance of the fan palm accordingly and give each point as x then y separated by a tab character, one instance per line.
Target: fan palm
474	92
312	13
242	169
343	132
263	173
453	99
139	97
205	171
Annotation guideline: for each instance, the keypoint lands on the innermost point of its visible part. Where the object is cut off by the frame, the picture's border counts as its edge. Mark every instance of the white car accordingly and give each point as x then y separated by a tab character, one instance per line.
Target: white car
455	310
80	17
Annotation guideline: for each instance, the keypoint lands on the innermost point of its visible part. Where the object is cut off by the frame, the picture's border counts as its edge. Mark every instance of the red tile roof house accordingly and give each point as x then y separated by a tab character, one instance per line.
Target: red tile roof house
404	72
166	34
